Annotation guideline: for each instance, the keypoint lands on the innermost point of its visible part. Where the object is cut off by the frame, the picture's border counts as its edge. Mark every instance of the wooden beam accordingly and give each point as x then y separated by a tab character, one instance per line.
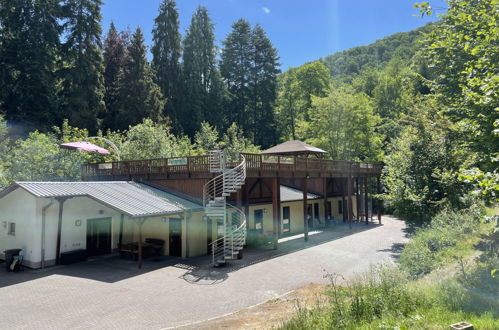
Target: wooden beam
350	208
366	199
358	196
305	206
246	204
343	200
324	194
276	207
61	201
378	184
120	238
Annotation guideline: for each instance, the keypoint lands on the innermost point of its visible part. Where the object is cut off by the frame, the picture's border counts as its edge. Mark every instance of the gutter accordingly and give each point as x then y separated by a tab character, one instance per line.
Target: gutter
44	210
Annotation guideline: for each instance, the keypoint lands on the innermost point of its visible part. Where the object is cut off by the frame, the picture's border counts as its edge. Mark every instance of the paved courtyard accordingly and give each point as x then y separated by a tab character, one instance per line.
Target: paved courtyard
111	293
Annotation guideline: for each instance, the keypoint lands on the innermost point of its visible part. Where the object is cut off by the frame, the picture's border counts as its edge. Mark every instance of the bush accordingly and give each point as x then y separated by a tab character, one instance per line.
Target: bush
380	293
425	250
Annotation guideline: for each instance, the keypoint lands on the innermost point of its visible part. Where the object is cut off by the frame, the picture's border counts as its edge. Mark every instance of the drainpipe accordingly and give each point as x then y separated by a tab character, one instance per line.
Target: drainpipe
43	229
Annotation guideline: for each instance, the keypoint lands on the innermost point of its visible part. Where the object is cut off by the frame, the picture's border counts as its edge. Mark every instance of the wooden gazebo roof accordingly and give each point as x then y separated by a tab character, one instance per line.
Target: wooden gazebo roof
294	148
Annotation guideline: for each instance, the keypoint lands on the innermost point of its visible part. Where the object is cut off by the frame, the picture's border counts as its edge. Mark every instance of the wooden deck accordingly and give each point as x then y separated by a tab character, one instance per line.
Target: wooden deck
257	166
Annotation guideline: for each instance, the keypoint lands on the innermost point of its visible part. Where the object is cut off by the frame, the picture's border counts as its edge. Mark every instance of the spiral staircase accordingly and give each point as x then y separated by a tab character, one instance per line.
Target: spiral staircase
227	246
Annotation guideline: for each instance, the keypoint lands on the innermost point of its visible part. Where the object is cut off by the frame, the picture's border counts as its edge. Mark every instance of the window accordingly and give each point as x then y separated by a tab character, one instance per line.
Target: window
259	220
329	214
340	207
286	219
12	228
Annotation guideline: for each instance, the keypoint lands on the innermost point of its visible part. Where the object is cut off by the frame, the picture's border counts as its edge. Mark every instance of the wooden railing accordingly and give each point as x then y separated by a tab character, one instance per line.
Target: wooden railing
254	162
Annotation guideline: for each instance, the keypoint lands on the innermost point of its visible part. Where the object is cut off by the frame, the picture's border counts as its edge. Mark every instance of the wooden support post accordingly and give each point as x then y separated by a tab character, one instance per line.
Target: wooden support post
120	237
366	199
324	194
343	200
378	184
305	207
59	230
246	204
349	192
276	208
140	222
357	197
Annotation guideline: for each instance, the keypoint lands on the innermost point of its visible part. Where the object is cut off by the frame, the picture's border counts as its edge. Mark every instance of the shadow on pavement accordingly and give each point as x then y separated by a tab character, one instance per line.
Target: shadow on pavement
199	271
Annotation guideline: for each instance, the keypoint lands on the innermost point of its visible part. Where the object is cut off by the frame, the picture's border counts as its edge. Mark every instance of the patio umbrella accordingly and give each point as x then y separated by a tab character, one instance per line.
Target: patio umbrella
84	146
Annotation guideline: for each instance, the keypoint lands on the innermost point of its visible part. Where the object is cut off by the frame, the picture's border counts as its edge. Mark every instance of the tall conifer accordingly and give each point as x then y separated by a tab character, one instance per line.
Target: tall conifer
140	96
83	94
204	90
29	48
166	52
115	52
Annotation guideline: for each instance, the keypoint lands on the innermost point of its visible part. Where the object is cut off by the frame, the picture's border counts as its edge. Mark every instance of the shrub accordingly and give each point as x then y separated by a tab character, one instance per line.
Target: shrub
424	252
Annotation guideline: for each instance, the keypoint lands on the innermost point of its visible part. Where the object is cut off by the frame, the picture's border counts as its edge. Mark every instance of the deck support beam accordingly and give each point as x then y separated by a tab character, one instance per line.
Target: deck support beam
324	194
120	237
305	208
366	199
343	200
378	186
350	208
276	209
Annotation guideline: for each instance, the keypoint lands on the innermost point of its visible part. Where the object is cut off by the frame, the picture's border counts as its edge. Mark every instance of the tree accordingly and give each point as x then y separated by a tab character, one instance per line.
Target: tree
203	85
343	123
249	68
234	142
297	86
206	138
422	166
29	49
166	52
464	51
83	83
235	68
148	140
115	54
140	97
263	82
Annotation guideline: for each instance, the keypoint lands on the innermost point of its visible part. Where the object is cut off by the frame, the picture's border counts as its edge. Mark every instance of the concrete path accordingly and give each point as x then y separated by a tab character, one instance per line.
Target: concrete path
111	293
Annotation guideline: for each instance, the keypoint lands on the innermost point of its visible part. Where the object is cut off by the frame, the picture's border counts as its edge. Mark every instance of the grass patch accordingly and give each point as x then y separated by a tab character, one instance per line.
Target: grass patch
445	276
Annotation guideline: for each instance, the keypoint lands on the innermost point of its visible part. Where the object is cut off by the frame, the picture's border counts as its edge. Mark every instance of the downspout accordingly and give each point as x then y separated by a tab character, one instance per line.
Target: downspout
44	209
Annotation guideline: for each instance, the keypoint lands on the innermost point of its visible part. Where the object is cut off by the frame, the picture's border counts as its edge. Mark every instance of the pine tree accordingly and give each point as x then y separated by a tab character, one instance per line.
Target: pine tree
235	67
140	97
204	89
264	89
166	52
29	48
115	52
249	67
83	86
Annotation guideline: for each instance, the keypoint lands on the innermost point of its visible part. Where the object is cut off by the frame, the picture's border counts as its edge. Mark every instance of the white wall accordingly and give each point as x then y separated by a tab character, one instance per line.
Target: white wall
19	207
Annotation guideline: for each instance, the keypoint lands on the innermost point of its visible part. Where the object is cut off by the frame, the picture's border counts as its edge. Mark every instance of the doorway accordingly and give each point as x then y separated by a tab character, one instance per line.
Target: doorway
98	236
175	237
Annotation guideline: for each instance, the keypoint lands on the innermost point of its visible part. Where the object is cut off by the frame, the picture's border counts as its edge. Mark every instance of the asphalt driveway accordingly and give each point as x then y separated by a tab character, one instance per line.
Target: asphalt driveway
111	293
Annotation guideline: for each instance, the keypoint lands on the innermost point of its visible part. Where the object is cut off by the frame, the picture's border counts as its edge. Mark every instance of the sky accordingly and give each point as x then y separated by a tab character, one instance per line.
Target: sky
301	30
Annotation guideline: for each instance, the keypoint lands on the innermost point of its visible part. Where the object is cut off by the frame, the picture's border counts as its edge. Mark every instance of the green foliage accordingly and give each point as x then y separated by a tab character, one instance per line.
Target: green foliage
83	83
206	138
379	294
204	90
464	51
351	134
166	52
428	245
115	53
422	166
233	142
348	63
249	68
296	89
140	96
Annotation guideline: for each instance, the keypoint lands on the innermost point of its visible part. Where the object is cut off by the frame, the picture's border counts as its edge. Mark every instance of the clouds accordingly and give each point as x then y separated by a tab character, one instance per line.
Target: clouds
266	10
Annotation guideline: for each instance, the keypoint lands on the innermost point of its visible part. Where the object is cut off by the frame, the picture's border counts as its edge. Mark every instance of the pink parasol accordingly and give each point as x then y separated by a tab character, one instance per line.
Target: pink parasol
84	146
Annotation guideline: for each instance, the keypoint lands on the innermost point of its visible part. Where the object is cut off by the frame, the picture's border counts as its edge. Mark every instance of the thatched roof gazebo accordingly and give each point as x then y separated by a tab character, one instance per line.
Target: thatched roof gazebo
294	148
